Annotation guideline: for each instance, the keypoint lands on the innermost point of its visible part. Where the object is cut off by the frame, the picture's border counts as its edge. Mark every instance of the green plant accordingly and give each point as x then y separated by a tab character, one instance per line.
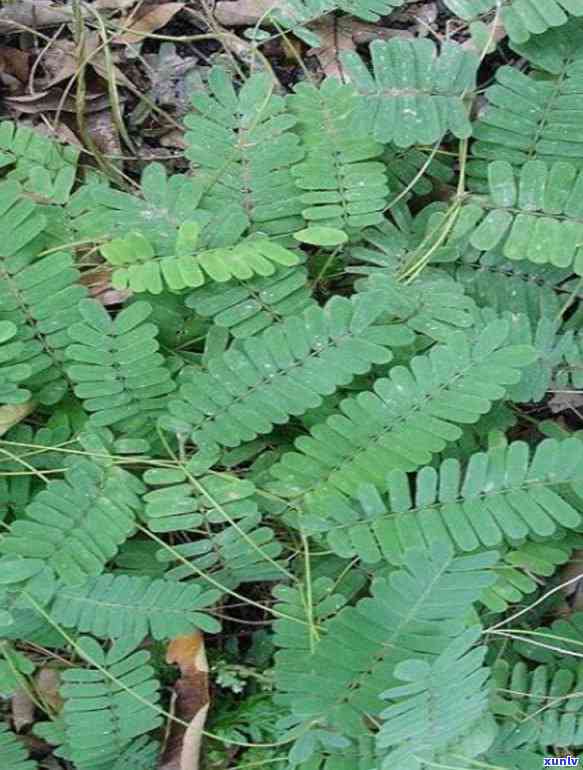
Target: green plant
522	18
319	405
102	690
298	13
12	753
414	95
44	167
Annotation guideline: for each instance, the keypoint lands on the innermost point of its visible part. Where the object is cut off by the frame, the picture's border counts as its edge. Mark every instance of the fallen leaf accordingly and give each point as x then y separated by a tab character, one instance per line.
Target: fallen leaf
152	20
362	32
425	16
51	102
243	12
99	284
14	69
35	14
336	38
169	76
104	133
113	297
48	681
191	702
113	5
60	62
237	13
572	592
22	708
15	62
342	33
99	64
174	138
12	414
60	133
96	59
564	400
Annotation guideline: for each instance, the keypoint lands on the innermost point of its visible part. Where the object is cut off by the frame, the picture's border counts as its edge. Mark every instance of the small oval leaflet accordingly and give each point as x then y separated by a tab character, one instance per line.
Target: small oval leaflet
321	236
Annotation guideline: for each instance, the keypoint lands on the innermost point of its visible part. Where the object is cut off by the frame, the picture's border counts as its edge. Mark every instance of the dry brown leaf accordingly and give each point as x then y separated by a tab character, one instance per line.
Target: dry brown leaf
110	297
35	14
48	681
172	78
243	12
61	133
12	414
191	703
15	62
340	34
99	64
425	16
60	62
113	5
236	13
153	19
11	84
52	101
96	59
573	569
22	709
364	33
565	400
174	138
99	284
571	573
14	69
336	37
103	131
